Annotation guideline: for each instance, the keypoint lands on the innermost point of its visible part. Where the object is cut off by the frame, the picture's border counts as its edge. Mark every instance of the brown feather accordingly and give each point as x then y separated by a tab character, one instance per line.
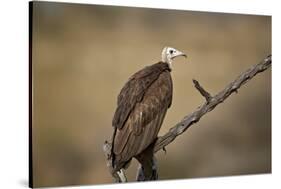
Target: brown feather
142	105
134	90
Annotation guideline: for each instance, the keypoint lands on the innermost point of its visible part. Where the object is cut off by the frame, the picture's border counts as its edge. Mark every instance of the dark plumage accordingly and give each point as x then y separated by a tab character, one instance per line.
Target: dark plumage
141	107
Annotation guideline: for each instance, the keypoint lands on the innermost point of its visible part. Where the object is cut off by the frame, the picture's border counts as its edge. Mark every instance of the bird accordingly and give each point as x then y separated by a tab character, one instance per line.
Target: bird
141	108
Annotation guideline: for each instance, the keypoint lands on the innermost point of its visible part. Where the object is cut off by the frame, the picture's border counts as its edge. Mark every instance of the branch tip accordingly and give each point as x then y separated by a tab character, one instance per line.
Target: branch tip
202	91
164	149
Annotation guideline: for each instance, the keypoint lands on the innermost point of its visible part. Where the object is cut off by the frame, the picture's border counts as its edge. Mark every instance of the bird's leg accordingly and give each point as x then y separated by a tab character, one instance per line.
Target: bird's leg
148	174
140	173
148	167
154	169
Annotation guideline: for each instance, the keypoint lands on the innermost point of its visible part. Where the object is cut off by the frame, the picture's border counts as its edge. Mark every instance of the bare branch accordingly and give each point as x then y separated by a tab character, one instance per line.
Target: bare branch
211	103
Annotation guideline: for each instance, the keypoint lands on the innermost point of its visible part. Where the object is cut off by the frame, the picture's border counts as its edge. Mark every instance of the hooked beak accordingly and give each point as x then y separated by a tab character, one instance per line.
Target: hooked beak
179	54
184	55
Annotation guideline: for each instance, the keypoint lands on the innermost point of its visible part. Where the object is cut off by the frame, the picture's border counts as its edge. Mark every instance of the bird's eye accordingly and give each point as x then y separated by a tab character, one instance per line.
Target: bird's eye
171	51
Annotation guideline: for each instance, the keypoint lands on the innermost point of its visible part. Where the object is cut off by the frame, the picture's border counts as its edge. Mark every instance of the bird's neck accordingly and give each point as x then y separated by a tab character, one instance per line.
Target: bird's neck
167	60
168	64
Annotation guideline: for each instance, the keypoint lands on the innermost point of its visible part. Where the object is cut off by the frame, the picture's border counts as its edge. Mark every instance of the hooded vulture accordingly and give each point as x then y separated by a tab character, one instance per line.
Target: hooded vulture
141	107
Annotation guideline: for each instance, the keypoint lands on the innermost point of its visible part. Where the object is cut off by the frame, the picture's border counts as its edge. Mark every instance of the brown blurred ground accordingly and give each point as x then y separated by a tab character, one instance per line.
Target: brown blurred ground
82	56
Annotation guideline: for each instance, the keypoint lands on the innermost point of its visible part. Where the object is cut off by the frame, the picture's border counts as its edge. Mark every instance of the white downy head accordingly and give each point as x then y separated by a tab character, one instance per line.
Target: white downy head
169	53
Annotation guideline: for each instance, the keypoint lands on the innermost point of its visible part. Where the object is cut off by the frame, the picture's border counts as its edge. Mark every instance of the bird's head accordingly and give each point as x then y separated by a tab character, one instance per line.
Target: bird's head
169	53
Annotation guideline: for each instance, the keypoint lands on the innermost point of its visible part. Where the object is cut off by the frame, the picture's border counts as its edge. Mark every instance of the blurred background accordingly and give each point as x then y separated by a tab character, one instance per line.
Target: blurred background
83	55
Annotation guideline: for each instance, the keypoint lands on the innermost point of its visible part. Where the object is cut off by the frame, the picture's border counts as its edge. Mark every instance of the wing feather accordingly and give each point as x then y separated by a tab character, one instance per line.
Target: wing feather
134	90
145	119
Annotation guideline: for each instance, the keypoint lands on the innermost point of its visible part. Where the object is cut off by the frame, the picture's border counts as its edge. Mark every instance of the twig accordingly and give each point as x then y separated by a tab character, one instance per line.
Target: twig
202	91
209	105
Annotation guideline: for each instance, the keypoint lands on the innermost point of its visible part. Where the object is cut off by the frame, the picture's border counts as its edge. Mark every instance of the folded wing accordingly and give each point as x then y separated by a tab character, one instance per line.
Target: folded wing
142	106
